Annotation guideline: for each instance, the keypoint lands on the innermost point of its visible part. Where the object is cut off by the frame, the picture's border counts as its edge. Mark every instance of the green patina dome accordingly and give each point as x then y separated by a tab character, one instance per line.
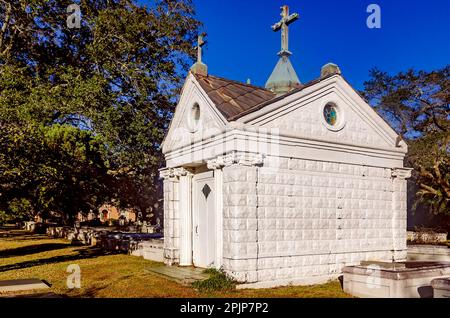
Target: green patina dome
283	78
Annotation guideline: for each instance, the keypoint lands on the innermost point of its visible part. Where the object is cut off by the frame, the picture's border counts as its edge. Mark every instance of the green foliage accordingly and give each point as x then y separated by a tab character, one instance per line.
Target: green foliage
414	102
19	207
47	169
417	104
429	155
218	281
77	102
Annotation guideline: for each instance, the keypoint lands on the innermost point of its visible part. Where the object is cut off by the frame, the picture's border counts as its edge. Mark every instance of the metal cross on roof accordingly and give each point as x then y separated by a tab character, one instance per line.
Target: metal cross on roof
200	68
200	43
283	25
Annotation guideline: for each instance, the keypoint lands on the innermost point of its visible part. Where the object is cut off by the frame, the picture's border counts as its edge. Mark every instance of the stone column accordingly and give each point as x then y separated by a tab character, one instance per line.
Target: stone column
185	217
171	248
399	212
217	166
177	216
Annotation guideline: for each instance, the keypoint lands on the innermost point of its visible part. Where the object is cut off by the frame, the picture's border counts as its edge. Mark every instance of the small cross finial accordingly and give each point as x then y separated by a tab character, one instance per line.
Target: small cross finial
283	25
200	42
199	67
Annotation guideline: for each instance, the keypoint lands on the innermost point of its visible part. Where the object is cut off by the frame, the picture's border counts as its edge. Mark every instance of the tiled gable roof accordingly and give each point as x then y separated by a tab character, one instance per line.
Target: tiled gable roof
233	98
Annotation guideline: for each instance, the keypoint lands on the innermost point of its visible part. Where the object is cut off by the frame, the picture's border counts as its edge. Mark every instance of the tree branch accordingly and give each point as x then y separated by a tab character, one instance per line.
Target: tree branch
5	23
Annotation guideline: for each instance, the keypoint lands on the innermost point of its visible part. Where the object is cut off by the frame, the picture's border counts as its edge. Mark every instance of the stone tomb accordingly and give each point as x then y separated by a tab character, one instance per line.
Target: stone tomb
441	287
394	280
283	184
152	250
428	253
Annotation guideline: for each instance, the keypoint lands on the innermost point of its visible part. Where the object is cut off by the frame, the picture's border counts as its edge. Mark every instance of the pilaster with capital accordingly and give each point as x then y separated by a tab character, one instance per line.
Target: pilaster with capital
177	207
399	212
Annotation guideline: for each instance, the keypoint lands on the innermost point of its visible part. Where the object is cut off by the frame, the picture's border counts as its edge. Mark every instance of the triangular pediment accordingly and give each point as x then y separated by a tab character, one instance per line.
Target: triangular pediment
302	114
195	118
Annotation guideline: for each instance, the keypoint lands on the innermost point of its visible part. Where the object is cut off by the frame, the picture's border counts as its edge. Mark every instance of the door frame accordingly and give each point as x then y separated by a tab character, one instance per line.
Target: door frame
210	175
188	214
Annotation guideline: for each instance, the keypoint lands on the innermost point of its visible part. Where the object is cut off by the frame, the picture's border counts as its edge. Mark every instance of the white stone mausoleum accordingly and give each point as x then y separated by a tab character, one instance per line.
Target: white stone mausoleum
283	184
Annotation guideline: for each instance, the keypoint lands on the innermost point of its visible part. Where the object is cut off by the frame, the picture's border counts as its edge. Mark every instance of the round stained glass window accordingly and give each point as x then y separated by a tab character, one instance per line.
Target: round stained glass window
330	113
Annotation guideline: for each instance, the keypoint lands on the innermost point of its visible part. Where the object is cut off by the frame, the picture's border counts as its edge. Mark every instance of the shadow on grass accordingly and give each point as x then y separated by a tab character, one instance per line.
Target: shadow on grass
93	292
32	249
22	235
13	232
28	238
38	295
85	253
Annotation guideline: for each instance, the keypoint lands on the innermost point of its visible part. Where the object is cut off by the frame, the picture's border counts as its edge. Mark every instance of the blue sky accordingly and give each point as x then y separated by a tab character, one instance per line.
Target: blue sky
241	45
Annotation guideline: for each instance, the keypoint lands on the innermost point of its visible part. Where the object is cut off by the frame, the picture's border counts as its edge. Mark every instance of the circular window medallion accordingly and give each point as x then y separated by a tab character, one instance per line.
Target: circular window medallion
194	117
333	116
330	114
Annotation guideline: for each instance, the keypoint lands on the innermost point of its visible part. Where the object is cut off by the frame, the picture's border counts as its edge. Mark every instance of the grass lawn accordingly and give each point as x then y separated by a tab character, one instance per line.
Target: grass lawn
24	255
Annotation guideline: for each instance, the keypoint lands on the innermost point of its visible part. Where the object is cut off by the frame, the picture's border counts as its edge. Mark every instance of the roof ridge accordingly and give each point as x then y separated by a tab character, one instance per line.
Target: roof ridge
234	81
277	98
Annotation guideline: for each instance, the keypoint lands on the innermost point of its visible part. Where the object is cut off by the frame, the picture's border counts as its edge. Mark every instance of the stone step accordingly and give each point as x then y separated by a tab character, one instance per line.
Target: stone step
182	275
22	284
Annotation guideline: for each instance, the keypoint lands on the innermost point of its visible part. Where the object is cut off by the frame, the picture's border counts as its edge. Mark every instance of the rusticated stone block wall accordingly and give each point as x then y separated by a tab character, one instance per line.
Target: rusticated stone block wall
294	218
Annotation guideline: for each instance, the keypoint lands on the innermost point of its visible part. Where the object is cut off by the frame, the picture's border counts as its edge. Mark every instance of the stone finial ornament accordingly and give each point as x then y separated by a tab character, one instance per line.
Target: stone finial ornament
330	69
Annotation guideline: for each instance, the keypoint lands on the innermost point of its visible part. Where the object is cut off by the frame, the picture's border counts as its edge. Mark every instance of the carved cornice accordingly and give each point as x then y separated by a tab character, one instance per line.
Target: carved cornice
243	159
168	173
401	173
